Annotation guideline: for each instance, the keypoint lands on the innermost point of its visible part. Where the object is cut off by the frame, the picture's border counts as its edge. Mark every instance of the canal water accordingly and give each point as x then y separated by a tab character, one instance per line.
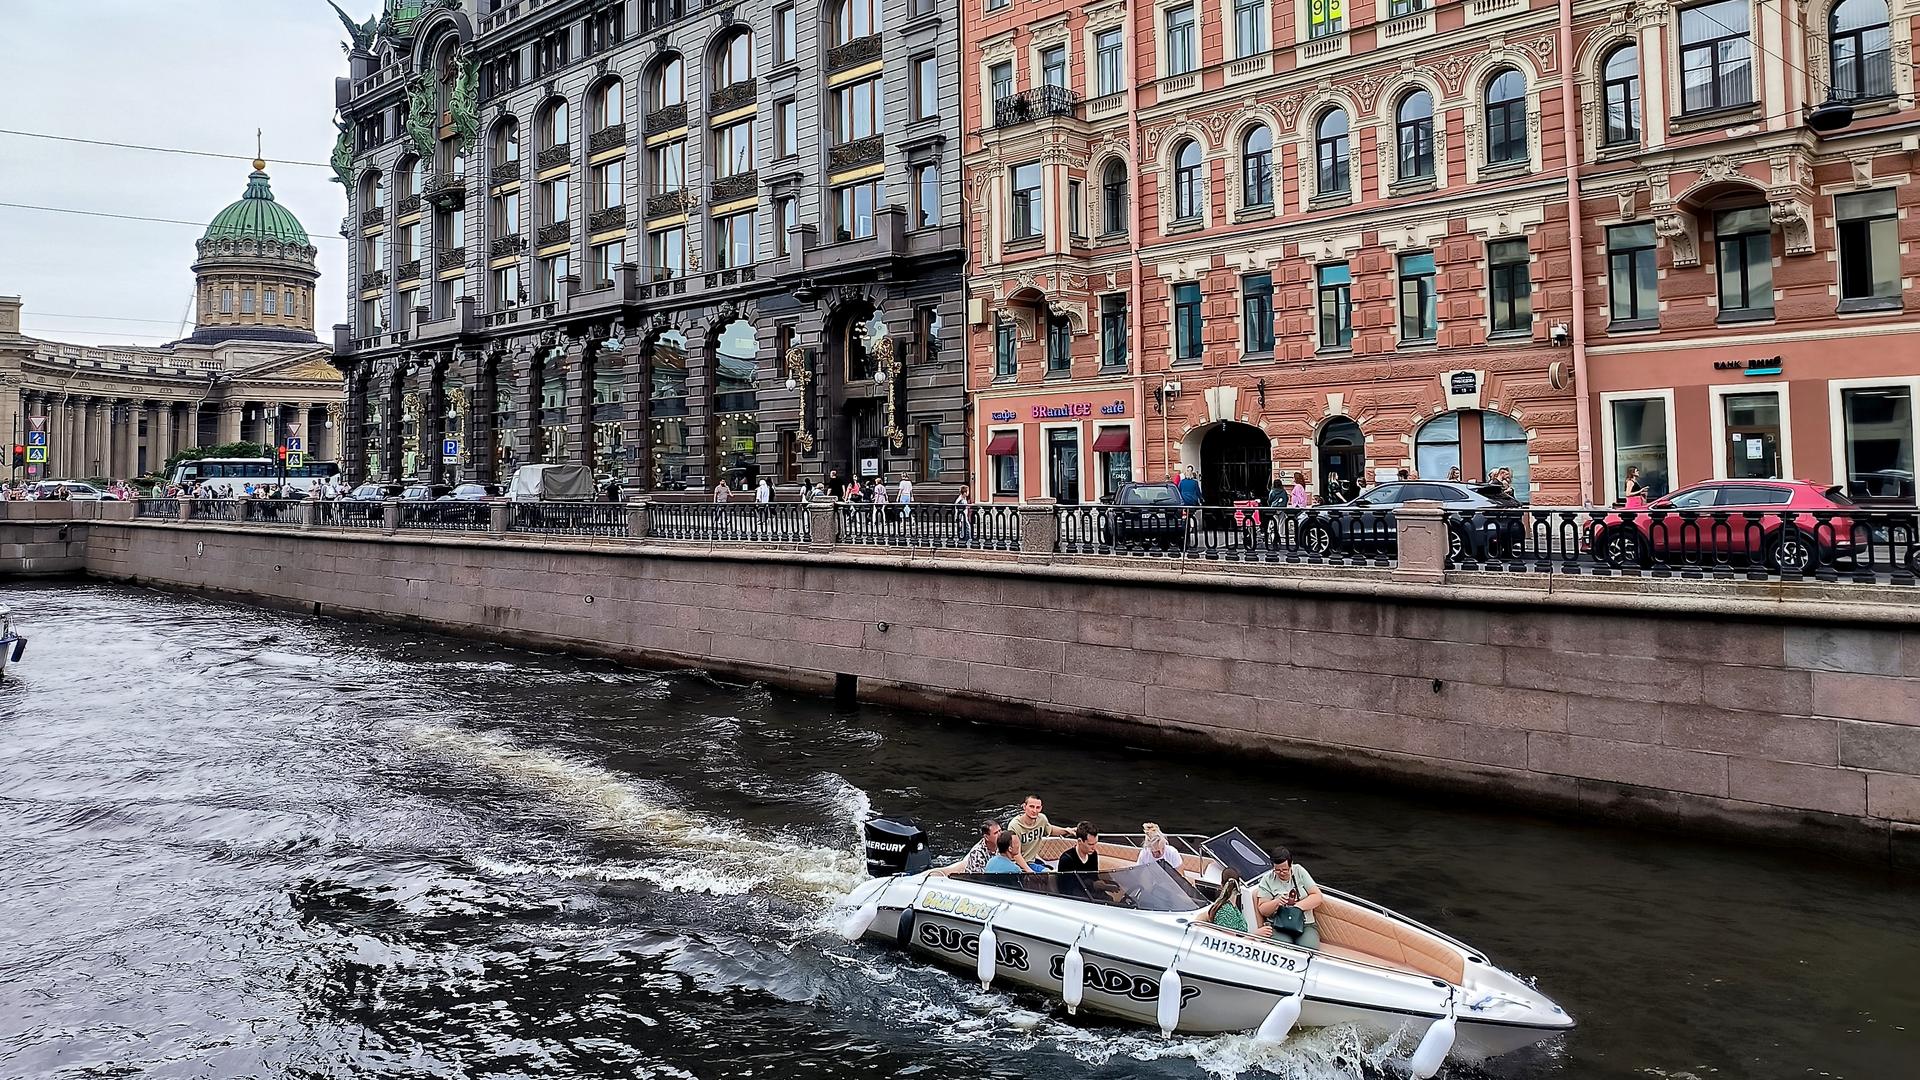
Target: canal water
240	843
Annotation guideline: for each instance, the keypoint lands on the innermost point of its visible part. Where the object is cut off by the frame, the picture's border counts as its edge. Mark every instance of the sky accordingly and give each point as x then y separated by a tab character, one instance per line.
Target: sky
188	74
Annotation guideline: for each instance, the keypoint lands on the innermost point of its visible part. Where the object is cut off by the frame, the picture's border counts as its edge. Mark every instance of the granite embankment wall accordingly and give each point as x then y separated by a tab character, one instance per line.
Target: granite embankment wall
1766	709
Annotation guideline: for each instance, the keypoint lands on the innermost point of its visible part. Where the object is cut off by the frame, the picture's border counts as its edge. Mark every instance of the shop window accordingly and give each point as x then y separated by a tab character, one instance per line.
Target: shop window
1877	435
1113	446
1640	444
1003	450
1477	444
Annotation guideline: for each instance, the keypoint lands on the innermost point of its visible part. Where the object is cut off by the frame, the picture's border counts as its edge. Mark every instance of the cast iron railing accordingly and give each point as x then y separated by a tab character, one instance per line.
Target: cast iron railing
1231	534
347	514
1034	104
770	523
446	516
156	508
570	519
983	527
216	509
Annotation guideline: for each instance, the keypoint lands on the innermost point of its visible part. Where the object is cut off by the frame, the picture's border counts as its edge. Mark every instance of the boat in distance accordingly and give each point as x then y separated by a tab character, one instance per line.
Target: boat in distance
1133	942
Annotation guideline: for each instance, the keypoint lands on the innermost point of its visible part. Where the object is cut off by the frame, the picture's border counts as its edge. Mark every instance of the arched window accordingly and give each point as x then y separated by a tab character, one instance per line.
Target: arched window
506	142
413	177
1113	197
1330	153
1862	50
1256	167
1620	88
734	64
1507	117
554	125
668	85
373	191
609	108
855	19
1187	192
1413	132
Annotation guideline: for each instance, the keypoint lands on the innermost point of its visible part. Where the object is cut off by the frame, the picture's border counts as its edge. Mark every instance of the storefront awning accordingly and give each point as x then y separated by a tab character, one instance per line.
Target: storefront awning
1005	444
1113	440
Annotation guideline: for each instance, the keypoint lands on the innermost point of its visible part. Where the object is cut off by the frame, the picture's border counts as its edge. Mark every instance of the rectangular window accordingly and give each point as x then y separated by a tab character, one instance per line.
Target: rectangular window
1113	330
926	196
858	110
246	301
926	328
409	300
1109	62
1869	241
607	258
373	254
1028	211
785	216
786	35
1006	468
610	185
1053	66
269	303
1059	345
1183	54
1336	306
668	163
733	241
1640	443
997	5
1250	27
1510	287
786	128
1000	79
554	200
1716	56
1632	282
452	291
1188	331
1743	242
667	253
1397	8
506	215
933	451
733	150
553	275
1006	355
287	305
1876	432
1076	219
853	208
1256	314
369	317
926	87
1419	304
1324	18
506	286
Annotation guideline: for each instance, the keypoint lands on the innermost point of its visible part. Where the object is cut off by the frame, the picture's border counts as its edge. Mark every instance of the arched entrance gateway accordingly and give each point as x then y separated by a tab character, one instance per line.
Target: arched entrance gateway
1236	462
1341	451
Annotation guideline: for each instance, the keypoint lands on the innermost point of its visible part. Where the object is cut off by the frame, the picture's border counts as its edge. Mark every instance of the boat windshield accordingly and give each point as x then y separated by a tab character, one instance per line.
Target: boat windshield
1151	887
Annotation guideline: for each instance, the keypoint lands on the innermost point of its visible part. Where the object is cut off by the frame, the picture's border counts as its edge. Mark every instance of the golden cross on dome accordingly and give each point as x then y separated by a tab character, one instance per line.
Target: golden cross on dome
259	152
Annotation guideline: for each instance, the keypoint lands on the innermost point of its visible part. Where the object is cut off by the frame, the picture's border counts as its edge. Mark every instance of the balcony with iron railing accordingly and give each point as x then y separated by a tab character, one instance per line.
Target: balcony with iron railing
728	98
607	138
853	53
1038	103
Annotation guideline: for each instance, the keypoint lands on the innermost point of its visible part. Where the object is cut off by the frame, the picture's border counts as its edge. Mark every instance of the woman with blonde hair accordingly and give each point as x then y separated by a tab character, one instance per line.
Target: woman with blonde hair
1153	845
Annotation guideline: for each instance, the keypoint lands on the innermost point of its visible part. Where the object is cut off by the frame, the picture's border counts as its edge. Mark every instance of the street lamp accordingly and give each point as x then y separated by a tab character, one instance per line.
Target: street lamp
798	376
879	344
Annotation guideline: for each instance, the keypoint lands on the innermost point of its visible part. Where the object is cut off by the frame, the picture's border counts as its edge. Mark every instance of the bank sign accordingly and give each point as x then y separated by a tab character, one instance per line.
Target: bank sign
1072	410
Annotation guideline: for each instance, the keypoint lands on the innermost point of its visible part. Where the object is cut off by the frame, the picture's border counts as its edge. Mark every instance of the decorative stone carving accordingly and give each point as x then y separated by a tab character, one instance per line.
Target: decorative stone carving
1677	228
1795	220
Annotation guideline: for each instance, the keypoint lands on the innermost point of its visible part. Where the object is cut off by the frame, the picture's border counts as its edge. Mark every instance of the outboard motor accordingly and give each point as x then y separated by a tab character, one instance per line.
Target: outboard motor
896	846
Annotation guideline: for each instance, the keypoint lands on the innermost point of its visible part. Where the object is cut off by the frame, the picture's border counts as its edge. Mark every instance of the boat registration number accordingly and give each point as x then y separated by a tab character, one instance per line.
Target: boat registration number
1245	951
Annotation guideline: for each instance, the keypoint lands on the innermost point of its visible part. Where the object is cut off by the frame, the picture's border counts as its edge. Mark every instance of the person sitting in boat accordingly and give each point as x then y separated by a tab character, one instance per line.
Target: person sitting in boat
1031	827
1003	861
1084	856
1225	912
1284	899
975	860
1153	845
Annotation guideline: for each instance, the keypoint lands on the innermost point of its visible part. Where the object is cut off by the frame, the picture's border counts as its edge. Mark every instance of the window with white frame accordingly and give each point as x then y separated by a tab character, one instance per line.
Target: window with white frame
1183	47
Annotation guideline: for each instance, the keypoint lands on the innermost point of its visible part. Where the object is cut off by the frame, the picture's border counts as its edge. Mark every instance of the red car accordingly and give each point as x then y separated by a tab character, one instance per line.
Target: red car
1733	521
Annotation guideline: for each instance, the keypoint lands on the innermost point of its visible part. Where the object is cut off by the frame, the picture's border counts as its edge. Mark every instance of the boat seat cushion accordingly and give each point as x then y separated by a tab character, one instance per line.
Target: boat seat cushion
1356	928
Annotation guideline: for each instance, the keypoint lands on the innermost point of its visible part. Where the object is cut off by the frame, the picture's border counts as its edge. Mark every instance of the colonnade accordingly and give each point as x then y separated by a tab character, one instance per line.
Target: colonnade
117	438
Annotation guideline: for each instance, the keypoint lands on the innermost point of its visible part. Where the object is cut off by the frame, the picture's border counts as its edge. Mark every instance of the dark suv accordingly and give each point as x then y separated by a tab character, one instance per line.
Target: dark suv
1149	514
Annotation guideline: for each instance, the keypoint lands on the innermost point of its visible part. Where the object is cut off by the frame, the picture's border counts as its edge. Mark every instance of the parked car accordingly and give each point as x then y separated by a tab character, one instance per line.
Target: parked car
465	502
1734	521
75	490
1147	513
365	501
1486	520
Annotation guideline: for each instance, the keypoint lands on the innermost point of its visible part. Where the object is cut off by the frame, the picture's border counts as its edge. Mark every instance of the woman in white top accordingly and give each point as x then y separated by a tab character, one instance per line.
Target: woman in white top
764	493
1155	846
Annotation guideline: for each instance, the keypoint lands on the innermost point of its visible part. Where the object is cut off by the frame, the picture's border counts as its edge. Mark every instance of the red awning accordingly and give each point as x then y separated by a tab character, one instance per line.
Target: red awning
1005	444
1112	440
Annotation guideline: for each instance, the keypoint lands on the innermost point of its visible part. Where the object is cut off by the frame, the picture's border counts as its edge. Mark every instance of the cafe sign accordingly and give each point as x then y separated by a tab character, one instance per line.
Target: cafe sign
1071	410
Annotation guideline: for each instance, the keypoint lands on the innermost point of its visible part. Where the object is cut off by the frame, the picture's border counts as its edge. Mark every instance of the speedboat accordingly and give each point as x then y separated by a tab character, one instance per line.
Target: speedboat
12	645
1133	942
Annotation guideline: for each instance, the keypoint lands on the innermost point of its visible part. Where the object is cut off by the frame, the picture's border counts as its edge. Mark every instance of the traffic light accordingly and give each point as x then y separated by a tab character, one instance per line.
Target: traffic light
283	455
19	454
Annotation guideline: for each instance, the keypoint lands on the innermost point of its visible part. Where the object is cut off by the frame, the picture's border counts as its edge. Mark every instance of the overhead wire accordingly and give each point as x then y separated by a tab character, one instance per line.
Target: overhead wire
154	149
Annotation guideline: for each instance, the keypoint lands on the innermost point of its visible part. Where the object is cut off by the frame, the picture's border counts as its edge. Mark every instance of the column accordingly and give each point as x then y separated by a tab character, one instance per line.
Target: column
159	435
100	438
84	427
580	365
229	431
58	422
433	420
129	458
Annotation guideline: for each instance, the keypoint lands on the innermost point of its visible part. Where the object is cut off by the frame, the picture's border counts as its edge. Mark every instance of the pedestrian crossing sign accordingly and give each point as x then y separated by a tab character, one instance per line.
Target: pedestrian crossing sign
36	455
296	458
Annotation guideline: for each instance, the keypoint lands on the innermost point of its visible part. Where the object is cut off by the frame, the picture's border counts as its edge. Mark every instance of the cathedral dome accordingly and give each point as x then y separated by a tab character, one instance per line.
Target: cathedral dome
257	225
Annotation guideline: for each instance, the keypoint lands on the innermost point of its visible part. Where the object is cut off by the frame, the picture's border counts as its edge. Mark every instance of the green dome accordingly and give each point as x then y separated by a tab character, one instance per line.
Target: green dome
257	217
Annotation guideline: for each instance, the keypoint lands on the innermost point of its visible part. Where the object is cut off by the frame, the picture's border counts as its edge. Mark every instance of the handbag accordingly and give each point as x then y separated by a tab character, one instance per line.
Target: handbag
1289	920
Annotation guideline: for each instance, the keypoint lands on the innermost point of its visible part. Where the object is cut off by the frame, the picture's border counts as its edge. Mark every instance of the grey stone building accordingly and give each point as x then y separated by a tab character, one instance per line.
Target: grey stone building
653	237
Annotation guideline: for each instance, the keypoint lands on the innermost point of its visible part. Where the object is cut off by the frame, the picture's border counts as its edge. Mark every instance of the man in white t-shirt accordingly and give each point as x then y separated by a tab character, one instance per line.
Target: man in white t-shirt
1287	885
1029	828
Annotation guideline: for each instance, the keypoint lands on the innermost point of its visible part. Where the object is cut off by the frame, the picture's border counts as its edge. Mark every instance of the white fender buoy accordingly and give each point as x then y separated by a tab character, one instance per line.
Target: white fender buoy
1279	1022
1434	1047
989	947
1073	978
1169	999
856	925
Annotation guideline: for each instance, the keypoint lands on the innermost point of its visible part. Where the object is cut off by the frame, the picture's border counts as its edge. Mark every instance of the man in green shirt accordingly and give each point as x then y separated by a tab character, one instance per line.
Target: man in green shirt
1287	885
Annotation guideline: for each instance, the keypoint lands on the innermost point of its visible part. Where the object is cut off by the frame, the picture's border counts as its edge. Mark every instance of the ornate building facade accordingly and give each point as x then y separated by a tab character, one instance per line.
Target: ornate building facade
684	245
251	370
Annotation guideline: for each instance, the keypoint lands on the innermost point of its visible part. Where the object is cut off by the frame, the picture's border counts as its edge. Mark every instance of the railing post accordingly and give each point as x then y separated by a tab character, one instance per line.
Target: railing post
823	523
303	514
390	516
1421	528
186	509
1039	527
639	517
500	517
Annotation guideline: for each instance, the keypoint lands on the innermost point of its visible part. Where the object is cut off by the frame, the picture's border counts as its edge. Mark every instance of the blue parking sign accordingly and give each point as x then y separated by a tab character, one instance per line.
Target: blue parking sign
450	448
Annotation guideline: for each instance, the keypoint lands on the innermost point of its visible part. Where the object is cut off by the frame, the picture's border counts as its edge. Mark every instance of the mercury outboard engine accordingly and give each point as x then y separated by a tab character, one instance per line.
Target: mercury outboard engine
896	846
